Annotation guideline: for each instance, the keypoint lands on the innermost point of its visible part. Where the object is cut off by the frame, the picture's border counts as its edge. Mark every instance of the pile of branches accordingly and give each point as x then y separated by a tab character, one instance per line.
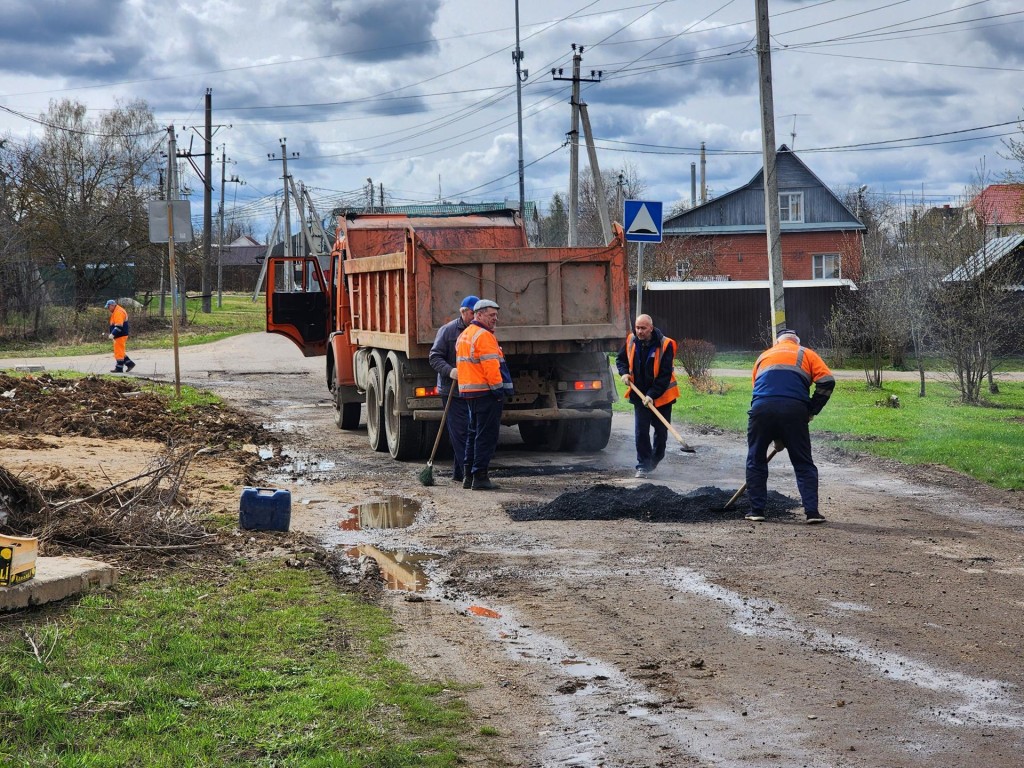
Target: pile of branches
145	516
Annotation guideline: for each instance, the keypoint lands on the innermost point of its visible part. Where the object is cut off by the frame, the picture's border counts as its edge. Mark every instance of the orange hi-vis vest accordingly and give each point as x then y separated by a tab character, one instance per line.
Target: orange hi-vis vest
671	393
478	360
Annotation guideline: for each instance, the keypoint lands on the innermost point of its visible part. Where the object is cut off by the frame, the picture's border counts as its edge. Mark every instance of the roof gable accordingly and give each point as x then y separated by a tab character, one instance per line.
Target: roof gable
1000	204
742	209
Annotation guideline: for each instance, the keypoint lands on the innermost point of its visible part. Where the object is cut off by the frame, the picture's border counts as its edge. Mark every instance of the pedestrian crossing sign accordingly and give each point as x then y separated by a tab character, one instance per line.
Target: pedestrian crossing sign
643	221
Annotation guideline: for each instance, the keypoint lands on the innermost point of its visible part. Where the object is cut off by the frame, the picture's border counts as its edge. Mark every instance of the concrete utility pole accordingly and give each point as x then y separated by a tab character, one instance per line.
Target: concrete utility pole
703	175
521	76
595	170
286	209
172	195
220	246
574	138
771	181
693	185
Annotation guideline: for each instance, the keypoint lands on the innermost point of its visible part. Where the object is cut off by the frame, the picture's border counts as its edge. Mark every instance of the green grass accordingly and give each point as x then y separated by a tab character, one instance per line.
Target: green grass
980	441
253	664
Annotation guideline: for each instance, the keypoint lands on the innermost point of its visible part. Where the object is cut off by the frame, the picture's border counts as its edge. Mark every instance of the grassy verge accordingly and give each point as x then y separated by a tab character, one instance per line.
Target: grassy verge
85	333
983	442
252	664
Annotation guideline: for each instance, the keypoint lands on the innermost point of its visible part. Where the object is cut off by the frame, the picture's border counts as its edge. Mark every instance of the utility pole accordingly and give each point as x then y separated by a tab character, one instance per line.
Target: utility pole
286	208
207	202
220	246
172	194
703	175
595	170
521	77
574	138
771	181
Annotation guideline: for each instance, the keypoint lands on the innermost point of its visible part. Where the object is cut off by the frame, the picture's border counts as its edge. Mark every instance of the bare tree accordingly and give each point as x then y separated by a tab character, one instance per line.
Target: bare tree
86	183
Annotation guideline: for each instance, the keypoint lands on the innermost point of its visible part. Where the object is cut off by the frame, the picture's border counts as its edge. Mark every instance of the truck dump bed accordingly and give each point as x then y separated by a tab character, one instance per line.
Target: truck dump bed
407	276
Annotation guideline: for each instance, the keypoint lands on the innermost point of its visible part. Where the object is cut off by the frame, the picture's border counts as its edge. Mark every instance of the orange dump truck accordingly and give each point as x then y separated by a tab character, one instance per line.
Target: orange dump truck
394	279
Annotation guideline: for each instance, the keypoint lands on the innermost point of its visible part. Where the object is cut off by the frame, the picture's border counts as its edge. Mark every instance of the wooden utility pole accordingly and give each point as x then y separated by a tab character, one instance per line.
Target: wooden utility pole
574	138
771	181
207	203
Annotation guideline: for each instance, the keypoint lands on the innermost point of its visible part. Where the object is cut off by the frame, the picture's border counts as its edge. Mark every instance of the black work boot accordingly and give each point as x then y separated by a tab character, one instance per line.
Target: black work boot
481	482
467	481
128	365
118	367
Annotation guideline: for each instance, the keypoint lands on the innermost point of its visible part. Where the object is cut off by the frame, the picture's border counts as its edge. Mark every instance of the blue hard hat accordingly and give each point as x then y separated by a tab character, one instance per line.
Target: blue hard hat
469	302
110	303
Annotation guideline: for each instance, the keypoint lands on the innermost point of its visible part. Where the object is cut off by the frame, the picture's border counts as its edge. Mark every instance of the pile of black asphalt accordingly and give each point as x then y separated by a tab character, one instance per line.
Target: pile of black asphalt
649	503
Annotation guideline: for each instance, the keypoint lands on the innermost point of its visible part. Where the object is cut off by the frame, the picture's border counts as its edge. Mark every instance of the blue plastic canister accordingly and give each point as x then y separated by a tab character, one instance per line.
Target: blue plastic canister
265	509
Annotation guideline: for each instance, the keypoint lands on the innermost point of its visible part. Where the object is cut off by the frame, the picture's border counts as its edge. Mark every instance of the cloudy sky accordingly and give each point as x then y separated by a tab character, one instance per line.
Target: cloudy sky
909	97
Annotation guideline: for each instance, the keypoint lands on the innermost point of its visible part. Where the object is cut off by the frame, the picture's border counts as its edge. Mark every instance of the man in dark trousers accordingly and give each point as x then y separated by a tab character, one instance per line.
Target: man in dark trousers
780	410
646	360
118	332
442	359
485	381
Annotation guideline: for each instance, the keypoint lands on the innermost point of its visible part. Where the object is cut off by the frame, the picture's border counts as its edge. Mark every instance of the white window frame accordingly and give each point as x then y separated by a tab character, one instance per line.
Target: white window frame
819	263
787	202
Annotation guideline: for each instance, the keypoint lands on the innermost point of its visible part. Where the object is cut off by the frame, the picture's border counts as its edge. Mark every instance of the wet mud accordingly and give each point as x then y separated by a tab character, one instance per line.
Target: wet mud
649	503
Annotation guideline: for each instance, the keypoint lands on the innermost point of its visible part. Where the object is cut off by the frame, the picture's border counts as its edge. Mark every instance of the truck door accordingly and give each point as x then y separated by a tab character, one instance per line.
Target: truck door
298	302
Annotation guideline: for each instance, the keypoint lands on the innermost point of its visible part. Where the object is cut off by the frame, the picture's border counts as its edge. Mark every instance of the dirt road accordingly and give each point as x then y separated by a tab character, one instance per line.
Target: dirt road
889	637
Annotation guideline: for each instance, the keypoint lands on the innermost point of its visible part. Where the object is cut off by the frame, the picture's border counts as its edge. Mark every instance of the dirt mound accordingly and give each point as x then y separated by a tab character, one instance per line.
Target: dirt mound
650	503
115	408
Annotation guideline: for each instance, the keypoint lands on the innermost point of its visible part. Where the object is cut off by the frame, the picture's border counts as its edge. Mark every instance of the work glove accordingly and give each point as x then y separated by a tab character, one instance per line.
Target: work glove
626	378
453	374
110	336
648	401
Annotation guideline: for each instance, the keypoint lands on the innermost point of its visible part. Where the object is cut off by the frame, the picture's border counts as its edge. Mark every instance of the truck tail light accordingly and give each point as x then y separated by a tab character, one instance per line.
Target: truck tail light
580	386
427	391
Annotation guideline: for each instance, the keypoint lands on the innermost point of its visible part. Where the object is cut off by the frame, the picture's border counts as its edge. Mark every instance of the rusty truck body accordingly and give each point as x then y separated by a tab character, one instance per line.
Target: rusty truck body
394	279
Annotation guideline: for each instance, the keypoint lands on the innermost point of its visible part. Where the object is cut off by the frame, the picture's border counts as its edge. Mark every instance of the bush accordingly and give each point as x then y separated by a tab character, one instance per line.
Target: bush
696	356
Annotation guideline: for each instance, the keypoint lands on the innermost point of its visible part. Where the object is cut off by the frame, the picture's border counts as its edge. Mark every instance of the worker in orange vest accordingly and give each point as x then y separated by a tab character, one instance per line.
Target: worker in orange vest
646	360
780	410
485	383
118	333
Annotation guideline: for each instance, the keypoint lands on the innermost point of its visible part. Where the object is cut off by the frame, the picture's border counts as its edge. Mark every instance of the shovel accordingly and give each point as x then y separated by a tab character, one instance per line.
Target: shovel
771	455
684	447
426	475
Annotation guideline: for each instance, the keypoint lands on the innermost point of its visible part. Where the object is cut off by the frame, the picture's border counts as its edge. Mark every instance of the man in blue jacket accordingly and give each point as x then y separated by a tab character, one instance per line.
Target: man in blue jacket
442	359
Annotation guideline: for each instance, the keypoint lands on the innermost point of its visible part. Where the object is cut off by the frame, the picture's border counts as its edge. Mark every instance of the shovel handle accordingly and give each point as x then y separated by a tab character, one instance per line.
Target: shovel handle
657	413
440	429
743	487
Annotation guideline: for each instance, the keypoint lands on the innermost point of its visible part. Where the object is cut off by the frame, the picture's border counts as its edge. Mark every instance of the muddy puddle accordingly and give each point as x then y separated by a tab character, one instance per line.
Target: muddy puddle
392	512
399	570
648	502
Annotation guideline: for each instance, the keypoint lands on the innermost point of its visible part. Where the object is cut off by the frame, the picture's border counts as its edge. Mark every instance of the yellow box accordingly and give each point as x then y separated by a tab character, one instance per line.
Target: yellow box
17	559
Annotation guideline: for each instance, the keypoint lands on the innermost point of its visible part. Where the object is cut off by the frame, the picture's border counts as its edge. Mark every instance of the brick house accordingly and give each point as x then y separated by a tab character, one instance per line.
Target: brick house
715	261
725	238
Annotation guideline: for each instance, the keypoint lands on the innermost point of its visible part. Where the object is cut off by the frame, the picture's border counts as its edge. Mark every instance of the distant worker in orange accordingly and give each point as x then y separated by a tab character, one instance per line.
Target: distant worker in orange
118	333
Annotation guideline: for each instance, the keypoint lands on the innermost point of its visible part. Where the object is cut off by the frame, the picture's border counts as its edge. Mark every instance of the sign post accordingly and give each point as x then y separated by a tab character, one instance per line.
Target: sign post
643	225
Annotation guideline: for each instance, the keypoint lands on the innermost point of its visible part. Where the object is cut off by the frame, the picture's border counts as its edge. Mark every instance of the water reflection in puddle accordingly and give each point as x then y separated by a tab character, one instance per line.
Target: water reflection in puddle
393	512
400	570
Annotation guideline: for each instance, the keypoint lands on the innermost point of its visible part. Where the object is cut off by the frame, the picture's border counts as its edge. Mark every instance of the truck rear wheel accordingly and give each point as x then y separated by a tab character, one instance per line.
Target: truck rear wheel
346	415
405	436
374	413
595	434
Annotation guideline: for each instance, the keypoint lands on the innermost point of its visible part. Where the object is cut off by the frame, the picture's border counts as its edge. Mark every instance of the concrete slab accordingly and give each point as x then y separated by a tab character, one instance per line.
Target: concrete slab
55	579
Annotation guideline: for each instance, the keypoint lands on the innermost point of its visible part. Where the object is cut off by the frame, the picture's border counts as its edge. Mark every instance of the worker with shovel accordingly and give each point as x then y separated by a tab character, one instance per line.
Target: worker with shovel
780	410
645	362
442	359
